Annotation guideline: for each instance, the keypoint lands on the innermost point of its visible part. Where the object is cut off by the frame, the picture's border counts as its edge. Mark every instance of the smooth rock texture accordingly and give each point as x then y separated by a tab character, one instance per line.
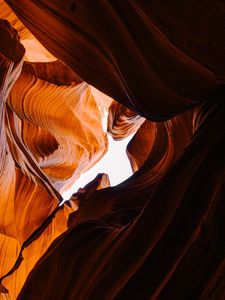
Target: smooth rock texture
122	122
133	60
40	156
157	235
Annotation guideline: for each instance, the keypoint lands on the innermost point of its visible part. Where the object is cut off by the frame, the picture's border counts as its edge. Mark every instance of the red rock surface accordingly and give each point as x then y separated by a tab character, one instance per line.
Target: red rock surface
159	234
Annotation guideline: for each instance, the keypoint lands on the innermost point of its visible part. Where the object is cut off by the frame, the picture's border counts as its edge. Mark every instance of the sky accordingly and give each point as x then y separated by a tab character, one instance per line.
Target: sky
115	163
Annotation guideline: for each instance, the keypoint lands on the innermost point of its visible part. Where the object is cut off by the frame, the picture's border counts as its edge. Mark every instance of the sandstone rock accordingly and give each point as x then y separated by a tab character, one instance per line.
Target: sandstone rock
160	233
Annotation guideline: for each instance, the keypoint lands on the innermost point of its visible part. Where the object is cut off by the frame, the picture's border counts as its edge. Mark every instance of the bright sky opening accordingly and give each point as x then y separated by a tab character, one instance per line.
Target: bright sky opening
115	163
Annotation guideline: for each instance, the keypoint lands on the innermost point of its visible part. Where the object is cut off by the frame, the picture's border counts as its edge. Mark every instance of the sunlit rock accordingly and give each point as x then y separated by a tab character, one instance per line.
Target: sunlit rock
160	233
35	52
66	122
122	122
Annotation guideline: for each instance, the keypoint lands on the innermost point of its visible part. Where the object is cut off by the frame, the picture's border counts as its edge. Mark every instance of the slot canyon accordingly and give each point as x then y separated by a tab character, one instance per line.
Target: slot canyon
156	69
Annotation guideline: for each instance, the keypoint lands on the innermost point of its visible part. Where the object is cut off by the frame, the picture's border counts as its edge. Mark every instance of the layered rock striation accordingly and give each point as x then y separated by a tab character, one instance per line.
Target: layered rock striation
160	233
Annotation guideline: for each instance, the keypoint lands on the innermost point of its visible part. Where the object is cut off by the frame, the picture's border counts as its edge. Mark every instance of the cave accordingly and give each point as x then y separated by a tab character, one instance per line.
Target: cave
153	71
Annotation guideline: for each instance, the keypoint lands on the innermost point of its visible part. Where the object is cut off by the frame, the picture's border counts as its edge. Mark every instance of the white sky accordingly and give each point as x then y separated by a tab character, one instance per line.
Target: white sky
115	163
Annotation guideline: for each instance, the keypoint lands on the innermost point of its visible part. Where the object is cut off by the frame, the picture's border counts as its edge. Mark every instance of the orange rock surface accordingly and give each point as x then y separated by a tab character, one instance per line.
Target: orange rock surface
160	233
43	151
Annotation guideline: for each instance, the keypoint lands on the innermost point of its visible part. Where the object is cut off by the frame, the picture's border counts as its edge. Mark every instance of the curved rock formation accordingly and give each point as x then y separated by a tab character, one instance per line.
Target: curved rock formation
6	13
147	240
160	143
122	122
34	50
160	233
66	122
137	63
38	154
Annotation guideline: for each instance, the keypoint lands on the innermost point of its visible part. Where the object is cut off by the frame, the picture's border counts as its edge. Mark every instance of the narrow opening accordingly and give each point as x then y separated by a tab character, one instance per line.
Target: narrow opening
115	163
